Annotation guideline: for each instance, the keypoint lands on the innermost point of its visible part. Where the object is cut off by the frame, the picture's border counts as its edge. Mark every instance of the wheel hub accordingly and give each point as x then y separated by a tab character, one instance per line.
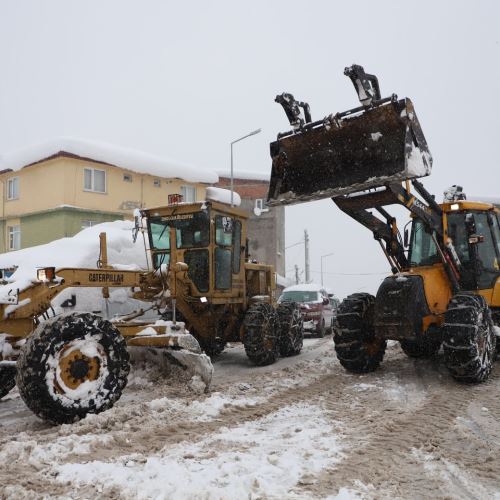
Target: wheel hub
77	368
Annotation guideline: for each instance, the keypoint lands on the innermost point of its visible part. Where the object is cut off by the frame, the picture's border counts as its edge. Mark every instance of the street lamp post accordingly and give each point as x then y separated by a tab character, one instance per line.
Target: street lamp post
234	142
326	255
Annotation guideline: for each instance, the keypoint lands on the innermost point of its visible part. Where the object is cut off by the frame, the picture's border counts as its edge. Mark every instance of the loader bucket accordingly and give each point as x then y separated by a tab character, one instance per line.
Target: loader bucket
349	152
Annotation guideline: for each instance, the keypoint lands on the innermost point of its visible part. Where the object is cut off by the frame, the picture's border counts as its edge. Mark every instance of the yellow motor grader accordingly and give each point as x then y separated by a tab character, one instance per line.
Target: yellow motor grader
445	283
68	365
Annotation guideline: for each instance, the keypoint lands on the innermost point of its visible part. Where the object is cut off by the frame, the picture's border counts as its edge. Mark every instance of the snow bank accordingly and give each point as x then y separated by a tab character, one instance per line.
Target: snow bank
223	196
81	250
130	159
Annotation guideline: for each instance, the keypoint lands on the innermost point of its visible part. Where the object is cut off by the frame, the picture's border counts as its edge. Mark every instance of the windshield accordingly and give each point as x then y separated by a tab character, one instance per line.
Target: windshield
299	296
423	251
192	230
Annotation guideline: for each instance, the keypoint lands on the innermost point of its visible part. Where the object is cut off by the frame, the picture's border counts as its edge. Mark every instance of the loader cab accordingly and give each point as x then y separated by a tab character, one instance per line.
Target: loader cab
474	230
209	237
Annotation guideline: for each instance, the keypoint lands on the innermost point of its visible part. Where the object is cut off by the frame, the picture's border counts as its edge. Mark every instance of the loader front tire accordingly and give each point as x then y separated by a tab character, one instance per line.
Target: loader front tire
72	365
7	380
469	338
357	347
261	334
291	329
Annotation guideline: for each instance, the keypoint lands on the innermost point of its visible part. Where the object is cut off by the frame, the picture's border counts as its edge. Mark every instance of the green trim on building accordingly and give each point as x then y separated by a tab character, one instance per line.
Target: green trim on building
37	229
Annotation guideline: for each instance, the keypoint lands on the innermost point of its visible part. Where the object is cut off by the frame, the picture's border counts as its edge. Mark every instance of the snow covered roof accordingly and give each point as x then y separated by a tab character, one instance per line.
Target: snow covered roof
304	287
245	175
223	196
117	156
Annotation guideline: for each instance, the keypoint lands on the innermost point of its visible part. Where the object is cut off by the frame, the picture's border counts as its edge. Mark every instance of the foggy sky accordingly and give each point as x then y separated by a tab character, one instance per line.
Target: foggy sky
184	79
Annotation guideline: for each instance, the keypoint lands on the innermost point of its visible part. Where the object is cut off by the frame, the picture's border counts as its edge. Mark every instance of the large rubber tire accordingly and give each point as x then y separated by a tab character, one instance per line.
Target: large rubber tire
72	365
7	380
291	329
357	347
261	334
212	347
469	338
421	348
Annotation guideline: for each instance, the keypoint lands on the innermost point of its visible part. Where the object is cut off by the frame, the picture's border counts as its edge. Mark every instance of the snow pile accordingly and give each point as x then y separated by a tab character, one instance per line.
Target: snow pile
81	250
130	159
232	462
223	196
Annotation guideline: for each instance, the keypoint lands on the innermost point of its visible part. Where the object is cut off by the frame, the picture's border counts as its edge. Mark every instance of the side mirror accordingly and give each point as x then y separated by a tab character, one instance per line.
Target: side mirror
406	238
325	301
470	227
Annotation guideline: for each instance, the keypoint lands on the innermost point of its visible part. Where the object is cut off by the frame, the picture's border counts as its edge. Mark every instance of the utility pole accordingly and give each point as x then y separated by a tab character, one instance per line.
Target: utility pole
306	252
296	274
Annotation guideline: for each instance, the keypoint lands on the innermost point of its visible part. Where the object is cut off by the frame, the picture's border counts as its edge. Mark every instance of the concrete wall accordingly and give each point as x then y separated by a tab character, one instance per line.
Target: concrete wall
265	232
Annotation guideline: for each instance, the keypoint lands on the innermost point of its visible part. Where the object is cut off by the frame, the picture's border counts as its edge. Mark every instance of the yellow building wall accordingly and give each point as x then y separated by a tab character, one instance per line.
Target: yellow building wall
60	181
41	187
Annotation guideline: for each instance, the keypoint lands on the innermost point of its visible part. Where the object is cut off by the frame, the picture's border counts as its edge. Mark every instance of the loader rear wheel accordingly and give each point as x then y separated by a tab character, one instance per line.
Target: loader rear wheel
72	365
357	347
7	380
469	338
261	334
421	348
291	329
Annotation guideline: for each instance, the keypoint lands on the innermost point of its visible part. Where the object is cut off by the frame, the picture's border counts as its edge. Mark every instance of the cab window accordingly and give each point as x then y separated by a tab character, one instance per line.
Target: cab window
423	251
198	268
160	234
223	256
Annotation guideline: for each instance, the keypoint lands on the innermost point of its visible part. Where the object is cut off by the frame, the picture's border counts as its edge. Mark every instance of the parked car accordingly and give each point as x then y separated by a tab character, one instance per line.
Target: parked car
318	310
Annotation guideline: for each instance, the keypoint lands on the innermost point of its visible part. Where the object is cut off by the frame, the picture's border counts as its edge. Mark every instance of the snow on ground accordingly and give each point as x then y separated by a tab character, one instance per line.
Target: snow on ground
232	463
301	428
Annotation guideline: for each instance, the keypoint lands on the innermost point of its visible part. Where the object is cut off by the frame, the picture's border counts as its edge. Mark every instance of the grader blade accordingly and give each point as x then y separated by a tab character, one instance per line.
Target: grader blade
173	349
367	147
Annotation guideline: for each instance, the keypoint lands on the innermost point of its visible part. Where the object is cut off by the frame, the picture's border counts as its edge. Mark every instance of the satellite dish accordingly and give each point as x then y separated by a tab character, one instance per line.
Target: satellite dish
257	211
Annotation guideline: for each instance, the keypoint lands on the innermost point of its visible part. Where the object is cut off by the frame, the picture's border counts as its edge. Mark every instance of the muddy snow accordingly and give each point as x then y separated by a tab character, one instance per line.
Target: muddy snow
302	428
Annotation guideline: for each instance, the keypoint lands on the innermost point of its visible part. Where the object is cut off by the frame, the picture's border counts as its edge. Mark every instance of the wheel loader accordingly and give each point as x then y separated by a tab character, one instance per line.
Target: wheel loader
445	284
200	285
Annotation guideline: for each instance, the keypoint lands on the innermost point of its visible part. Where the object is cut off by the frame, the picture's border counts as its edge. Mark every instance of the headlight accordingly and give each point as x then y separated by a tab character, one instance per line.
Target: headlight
46	274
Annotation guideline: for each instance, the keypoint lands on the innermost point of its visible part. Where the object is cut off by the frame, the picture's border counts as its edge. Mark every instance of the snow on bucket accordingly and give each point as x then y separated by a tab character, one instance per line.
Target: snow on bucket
349	152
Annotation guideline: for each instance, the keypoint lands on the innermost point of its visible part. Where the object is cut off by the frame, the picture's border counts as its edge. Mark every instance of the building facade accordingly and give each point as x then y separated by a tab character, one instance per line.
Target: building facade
58	189
266	231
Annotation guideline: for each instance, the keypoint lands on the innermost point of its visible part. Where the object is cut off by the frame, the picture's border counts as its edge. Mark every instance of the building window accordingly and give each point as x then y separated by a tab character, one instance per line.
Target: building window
13	188
127	177
14	237
88	223
188	194
94	180
157	183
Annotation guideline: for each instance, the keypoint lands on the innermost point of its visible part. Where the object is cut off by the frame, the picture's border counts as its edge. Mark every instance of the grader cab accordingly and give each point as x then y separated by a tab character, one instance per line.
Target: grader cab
445	286
68	365
220	295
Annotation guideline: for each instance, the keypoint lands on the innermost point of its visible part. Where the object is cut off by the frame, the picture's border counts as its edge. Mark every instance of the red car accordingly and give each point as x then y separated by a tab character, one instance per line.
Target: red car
318	308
